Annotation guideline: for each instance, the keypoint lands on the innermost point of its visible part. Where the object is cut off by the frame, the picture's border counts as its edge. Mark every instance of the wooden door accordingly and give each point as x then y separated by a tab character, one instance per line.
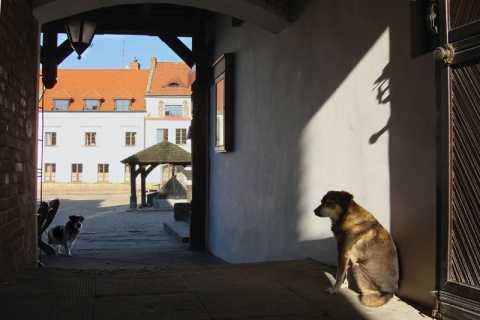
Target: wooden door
458	97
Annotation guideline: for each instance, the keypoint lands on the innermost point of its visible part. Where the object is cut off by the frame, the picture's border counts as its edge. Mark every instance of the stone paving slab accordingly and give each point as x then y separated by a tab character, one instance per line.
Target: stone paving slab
270	290
125	266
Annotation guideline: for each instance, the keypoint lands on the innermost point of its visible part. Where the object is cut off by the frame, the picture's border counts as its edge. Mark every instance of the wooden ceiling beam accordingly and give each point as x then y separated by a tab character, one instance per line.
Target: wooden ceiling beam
179	48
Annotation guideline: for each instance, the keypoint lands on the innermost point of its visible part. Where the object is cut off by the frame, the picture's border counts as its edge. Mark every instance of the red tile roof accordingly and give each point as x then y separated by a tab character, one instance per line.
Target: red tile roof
92	94
62	94
123	94
107	84
167	76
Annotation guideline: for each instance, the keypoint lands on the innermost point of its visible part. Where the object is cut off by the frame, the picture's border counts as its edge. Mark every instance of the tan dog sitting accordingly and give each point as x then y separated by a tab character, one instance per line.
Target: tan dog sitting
365	245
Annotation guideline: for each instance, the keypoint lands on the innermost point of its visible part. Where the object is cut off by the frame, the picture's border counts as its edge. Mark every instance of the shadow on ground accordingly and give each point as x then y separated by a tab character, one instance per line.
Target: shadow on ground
125	266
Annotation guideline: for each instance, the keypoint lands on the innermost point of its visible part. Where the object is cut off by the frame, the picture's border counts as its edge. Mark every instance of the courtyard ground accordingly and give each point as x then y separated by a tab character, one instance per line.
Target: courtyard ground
124	266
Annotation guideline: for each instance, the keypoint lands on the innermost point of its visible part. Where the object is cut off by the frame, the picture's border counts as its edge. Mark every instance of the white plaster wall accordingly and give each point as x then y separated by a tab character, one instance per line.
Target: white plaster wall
334	101
153	123
110	142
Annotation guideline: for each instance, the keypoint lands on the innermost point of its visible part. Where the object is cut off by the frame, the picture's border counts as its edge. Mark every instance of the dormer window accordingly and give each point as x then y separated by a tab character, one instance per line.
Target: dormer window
92	105
123	100
172	85
122	104
61	104
61	100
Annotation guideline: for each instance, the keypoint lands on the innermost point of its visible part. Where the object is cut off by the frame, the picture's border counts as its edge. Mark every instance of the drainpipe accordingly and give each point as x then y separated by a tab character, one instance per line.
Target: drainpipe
145	131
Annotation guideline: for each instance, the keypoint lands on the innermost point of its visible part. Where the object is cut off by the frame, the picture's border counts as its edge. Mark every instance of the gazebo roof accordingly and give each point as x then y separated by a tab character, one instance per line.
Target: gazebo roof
160	153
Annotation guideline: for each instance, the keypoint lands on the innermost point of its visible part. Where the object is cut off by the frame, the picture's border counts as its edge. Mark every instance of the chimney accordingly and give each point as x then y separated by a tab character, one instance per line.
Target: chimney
153	62
135	65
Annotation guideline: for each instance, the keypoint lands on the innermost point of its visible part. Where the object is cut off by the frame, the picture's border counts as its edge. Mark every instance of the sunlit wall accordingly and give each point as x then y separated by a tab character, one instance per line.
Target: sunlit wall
334	101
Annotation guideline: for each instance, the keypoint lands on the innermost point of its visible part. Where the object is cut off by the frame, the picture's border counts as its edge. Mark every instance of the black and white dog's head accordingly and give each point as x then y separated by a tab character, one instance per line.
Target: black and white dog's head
75	222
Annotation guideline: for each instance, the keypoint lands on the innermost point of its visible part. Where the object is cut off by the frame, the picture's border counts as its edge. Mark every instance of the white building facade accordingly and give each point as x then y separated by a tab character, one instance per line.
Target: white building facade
85	147
86	131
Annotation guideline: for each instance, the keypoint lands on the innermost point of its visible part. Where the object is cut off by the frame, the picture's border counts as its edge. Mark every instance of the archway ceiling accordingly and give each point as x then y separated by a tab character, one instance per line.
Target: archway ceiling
140	19
176	17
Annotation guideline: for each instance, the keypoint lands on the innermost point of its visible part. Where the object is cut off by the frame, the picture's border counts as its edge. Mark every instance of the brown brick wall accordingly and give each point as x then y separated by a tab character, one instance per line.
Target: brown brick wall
18	135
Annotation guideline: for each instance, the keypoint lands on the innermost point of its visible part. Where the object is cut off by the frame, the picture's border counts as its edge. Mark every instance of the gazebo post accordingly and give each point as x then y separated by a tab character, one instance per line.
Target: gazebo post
133	188
143	178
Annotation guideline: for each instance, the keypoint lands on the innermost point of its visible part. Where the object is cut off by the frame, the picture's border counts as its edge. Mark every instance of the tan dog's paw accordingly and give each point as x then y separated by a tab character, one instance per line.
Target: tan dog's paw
331	290
344	285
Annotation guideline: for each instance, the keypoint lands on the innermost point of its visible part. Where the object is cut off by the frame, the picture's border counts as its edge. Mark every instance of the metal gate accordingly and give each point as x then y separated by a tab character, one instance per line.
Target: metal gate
458	97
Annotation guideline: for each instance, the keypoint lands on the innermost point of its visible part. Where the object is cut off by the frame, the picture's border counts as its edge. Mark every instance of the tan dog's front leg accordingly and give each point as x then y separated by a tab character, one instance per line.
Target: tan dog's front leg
341	273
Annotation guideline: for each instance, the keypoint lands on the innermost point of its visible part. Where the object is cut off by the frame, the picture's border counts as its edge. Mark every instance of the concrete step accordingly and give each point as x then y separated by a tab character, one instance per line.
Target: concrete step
180	230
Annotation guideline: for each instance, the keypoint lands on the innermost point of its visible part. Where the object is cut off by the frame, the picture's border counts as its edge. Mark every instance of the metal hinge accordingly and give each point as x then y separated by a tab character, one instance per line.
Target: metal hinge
436	304
431	16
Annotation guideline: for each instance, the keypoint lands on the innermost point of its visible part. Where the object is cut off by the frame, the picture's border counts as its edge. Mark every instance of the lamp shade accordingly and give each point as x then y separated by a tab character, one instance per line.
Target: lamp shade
80	34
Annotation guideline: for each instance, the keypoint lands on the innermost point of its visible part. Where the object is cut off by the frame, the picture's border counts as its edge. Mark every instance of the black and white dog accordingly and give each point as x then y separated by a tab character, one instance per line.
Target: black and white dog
65	235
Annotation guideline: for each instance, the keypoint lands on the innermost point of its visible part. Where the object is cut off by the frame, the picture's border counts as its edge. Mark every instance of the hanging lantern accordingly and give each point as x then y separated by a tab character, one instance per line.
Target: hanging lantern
80	34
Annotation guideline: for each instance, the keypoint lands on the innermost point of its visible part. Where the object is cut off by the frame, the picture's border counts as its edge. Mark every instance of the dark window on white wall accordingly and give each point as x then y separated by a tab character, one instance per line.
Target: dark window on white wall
127	173
162	135
130	138
90	138
50	172
50	138
180	136
103	172
77	172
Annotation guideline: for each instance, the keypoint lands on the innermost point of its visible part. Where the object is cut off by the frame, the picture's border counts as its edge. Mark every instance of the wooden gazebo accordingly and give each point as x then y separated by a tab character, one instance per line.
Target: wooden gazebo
145	161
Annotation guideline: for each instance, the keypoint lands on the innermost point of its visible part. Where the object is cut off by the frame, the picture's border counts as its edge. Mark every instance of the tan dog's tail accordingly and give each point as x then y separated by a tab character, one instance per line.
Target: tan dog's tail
375	299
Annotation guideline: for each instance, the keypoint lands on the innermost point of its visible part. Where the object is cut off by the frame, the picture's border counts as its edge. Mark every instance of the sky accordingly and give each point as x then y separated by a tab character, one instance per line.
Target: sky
117	51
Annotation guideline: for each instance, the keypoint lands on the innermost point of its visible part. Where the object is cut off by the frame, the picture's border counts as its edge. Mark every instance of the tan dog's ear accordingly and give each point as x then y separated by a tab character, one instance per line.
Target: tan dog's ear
346	199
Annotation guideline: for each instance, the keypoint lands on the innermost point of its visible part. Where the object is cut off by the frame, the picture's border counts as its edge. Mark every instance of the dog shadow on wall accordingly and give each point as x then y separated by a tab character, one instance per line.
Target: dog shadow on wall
382	85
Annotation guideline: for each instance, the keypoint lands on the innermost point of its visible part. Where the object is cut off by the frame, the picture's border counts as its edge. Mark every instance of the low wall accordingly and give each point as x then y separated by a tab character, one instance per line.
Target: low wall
84	187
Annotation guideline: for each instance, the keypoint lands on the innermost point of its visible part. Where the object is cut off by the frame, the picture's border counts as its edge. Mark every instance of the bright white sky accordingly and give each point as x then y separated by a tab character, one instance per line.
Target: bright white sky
117	51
